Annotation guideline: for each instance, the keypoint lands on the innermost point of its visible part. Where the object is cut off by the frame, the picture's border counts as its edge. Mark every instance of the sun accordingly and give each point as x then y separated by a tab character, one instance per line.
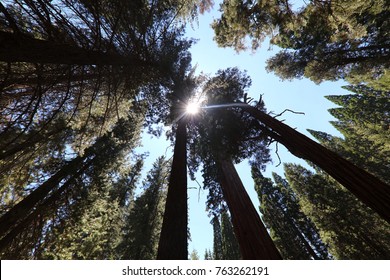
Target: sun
192	108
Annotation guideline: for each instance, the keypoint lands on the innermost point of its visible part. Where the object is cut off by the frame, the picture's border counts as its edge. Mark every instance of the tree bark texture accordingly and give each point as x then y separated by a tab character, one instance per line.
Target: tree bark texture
366	187
173	238
252	236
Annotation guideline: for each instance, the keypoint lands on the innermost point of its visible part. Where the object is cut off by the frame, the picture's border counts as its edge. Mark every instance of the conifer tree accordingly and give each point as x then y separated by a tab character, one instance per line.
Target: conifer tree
292	231
351	229
221	137
230	247
366	187
64	109
50	202
217	241
208	255
363	120
322	40
144	220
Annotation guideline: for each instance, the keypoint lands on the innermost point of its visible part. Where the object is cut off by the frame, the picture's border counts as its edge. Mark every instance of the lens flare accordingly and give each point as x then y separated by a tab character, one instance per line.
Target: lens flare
192	108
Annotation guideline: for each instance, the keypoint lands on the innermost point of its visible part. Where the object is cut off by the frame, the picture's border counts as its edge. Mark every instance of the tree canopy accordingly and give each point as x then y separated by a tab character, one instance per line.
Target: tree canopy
81	81
322	40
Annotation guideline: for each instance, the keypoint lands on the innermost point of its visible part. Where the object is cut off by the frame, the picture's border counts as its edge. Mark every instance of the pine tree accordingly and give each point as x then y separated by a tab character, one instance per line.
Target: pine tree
363	121
230	247
217	242
292	231
208	255
144	220
53	201
194	255
352	230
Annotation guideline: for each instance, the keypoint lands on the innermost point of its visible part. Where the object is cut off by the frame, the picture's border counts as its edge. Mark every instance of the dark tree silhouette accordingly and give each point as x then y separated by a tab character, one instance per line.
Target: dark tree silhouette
173	238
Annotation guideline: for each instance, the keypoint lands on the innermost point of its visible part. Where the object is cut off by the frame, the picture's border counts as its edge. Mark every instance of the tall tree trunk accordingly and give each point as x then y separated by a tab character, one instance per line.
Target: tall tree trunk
15	47
22	209
252	236
40	210
298	232
366	187
173	238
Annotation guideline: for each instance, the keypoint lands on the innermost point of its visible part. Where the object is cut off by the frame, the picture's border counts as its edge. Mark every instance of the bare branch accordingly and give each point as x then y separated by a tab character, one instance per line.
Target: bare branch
286	110
277	154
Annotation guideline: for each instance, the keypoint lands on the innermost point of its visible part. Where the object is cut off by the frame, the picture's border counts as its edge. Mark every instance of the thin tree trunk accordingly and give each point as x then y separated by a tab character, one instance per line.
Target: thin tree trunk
252	236
173	238
366	187
25	206
306	244
15	47
41	209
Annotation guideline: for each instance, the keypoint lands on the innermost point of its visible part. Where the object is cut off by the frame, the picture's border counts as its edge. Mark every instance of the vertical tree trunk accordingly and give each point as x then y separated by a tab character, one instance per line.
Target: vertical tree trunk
297	231
173	238
252	236
366	187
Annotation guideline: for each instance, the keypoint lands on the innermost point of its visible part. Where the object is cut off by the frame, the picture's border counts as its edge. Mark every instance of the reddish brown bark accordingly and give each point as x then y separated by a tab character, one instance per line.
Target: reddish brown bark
252	236
173	238
366	187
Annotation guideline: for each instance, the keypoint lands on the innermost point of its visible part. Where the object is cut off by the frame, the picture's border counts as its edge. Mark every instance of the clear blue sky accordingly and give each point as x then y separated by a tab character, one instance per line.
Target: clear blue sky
298	95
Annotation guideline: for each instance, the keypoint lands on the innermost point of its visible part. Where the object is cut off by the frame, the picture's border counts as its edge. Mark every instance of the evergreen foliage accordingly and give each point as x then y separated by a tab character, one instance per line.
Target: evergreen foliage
322	40
351	230
292	231
144	220
225	245
70	124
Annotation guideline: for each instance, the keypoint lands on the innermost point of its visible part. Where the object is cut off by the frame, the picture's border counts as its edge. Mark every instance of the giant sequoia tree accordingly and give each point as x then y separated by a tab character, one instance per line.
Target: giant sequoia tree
60	115
221	137
365	186
69	124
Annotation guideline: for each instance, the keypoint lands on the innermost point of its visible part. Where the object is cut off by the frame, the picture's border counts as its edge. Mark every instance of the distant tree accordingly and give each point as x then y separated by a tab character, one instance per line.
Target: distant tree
351	229
292	231
143	222
217	241
230	247
208	255
194	255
